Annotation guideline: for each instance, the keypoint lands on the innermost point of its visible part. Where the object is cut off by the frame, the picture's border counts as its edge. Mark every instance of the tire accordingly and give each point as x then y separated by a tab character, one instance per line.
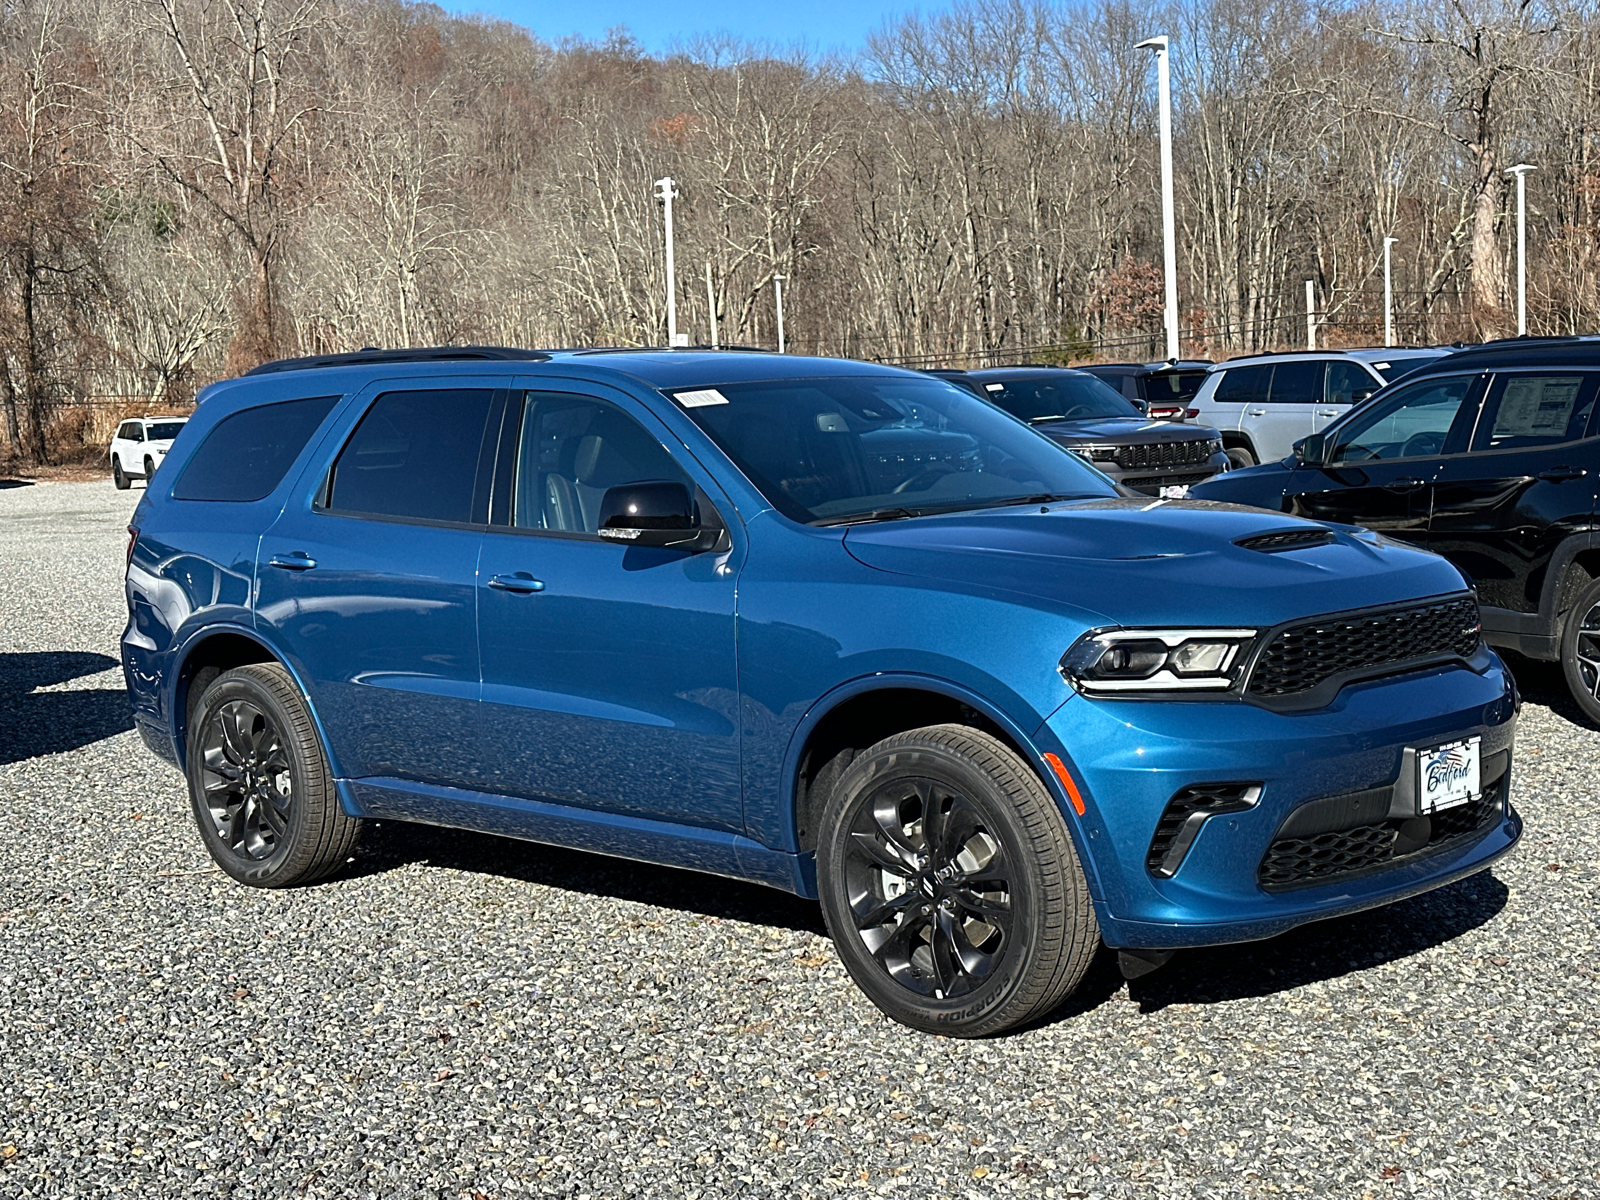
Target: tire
259	783
1240	457
117	477
149	468
1580	650
926	948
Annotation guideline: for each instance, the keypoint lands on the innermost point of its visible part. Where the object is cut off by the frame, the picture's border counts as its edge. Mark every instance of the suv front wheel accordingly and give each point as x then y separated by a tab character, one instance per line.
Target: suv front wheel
949	882
1580	651
259	783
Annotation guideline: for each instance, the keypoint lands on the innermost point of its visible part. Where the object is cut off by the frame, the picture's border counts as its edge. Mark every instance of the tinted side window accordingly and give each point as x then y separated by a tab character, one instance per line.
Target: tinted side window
1298	382
1414	422
1535	410
246	455
1348	384
125	430
1242	385
415	454
572	449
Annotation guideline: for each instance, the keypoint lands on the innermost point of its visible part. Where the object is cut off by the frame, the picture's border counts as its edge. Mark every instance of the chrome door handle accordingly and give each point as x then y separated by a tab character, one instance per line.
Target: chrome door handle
297	560
1327	412
521	583
1255	412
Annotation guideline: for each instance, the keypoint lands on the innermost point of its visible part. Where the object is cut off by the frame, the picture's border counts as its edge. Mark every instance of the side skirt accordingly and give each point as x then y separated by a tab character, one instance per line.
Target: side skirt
664	843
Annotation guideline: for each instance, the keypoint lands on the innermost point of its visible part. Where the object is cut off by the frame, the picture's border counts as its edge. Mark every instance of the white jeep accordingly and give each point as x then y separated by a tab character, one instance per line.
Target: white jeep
139	445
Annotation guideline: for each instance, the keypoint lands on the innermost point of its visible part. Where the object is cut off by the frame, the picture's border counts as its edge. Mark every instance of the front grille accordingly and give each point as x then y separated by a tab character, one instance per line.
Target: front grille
1175	832
1163	454
1292	862
1291	539
1302	656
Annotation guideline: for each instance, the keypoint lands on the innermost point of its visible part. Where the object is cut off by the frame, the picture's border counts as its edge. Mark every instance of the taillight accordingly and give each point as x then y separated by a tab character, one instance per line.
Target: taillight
1193	413
133	540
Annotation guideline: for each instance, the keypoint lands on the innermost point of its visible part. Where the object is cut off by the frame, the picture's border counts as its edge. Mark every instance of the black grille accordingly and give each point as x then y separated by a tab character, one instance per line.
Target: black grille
1293	539
1304	655
1163	454
1301	861
1206	799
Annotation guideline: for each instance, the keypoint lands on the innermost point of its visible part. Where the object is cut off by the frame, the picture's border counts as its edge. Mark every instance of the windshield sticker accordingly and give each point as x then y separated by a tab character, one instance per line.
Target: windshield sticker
994	387
701	398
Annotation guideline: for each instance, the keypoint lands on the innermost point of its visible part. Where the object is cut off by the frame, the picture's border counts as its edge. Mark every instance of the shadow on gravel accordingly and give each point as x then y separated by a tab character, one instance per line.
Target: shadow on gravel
33	723
14	483
1322	950
1543	683
389	844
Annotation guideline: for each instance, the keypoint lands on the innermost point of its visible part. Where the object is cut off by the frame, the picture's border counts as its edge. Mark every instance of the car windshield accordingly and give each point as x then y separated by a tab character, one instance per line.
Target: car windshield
837	450
1174	385
165	431
1069	396
1392	368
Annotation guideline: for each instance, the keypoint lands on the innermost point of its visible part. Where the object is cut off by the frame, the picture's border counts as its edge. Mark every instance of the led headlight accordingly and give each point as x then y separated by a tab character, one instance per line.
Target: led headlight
1156	660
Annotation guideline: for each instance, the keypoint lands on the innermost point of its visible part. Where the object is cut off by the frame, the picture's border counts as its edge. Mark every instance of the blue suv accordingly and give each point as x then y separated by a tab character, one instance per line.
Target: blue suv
841	629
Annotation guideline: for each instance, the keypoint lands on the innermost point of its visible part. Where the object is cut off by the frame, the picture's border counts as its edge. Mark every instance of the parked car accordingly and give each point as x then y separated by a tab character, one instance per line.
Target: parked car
1490	457
139	446
837	628
1081	413
1265	403
1163	390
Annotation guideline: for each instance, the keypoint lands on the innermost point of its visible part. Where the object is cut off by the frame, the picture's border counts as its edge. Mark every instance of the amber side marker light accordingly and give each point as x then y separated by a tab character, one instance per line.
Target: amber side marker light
1060	768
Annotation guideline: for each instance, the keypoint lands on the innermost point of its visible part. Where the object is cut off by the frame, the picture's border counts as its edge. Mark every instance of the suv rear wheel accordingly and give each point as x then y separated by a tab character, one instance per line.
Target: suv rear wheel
117	476
1580	650
950	885
259	782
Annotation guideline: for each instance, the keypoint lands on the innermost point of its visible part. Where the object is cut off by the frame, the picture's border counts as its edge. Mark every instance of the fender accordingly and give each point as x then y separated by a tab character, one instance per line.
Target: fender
1537	634
931	683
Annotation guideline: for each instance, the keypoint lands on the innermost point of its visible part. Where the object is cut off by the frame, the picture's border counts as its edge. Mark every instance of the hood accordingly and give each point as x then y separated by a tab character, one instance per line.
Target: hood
1143	562
1123	430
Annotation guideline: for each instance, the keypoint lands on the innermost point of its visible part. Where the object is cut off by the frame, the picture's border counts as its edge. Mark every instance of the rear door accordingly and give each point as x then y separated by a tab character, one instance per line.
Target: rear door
1347	384
1527	481
368	579
1238	389
1383	459
1282	417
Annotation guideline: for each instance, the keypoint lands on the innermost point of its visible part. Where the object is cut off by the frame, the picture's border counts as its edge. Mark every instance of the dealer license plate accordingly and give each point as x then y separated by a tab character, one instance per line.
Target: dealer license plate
1448	775
1175	491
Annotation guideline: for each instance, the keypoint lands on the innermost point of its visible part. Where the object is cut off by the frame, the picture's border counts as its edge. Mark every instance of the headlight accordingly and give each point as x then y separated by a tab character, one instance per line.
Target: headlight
1214	446
1095	453
1156	660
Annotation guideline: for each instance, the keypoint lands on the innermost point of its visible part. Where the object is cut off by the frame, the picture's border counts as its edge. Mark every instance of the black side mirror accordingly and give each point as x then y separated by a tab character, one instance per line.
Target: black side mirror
656	512
1311	450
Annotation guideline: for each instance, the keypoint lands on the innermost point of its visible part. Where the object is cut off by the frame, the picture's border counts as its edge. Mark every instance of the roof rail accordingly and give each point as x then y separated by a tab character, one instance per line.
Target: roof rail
415	354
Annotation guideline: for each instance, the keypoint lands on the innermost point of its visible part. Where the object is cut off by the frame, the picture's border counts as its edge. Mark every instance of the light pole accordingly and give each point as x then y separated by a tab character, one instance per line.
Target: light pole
1169	233
1388	294
777	291
1521	172
711	306
667	195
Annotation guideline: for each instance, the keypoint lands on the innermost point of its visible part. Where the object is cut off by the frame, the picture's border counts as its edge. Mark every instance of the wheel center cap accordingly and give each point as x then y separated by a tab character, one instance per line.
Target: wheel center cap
926	884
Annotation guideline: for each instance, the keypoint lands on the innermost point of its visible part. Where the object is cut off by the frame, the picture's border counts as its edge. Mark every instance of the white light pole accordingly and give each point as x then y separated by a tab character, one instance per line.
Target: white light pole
1388	294
711	307
1521	172
666	196
1169	232
777	291
1311	316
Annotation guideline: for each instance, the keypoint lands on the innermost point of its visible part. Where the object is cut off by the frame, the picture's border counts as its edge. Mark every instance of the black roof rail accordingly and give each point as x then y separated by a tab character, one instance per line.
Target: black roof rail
414	354
700	348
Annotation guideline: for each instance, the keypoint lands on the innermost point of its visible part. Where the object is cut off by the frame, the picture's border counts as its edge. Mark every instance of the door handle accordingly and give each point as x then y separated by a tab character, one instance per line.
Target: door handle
1562	474
1405	484
297	560
521	583
1255	412
1327	412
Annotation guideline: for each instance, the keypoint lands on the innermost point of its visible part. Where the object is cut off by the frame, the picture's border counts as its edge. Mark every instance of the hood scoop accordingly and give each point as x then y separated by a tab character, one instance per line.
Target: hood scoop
1287	539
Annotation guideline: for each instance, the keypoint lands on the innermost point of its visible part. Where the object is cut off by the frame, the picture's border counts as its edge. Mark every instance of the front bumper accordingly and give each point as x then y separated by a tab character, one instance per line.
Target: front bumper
1150	480
1131	757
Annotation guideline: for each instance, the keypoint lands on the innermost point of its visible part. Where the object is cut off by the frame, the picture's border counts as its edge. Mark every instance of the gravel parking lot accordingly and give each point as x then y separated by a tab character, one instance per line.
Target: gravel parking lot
461	1016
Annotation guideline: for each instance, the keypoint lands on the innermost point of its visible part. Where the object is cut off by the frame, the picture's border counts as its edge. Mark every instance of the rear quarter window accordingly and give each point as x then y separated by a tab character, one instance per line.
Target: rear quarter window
246	454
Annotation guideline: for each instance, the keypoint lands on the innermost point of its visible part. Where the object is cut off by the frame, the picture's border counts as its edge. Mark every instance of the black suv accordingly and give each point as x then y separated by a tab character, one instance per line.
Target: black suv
1161	390
1491	457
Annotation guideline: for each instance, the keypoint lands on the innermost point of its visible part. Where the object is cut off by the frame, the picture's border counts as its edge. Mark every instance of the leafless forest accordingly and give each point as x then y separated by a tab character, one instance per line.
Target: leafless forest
190	187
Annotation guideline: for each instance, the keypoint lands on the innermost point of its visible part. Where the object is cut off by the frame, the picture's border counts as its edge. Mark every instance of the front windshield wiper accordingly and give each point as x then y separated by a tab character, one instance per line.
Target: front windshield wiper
881	514
1042	420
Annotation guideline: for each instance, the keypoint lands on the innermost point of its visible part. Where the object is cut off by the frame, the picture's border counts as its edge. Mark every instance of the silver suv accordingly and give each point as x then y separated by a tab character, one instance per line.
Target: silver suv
1265	403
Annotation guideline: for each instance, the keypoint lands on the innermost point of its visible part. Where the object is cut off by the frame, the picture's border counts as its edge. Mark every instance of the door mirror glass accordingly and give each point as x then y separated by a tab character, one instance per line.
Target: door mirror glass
653	512
1311	449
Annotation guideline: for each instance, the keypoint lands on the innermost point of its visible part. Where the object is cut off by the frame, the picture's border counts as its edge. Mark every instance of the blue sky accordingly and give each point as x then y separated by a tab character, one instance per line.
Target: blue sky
822	24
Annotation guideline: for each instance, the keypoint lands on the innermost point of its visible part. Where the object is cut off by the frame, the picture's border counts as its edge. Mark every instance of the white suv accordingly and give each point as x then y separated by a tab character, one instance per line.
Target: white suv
139	445
1265	403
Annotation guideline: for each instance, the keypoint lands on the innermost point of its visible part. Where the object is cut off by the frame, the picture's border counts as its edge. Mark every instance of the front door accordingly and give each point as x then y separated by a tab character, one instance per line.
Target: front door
1527	482
1282	417
370	584
1381	461
609	678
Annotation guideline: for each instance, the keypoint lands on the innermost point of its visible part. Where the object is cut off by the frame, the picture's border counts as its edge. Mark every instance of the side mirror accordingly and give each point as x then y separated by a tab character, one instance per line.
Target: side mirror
1311	450
655	512
1361	397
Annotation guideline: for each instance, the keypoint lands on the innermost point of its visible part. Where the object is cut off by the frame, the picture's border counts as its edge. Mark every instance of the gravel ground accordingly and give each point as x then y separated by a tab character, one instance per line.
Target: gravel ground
461	1016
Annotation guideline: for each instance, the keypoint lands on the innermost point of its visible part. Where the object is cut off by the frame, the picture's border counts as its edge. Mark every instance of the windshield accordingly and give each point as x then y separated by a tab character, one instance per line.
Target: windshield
165	431
1173	385
1069	396
1391	369
835	450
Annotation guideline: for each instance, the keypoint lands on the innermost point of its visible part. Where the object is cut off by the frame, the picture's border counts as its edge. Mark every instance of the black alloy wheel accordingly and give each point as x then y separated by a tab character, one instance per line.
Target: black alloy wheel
950	885
259	783
1580	651
149	467
118	477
